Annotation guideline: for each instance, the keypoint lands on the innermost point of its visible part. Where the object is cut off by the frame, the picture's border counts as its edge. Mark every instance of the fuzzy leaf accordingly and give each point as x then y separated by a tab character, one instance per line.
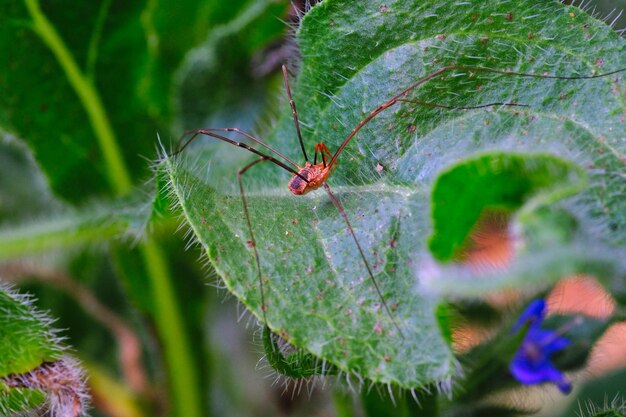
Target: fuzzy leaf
295	364
497	181
73	228
26	340
357	55
547	243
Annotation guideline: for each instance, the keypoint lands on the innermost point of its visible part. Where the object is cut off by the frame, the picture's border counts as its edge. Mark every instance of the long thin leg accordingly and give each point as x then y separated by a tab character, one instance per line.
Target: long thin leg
443	106
437	73
263	157
252	241
339	207
241	145
294	112
324	153
195	132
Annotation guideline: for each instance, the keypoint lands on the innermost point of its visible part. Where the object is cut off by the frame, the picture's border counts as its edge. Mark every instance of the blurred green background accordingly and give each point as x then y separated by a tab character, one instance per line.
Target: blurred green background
158	69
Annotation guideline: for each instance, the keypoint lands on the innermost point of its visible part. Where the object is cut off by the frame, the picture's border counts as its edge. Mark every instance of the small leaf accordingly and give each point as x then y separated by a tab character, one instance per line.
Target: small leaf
494	181
26	340
24	191
547	244
295	364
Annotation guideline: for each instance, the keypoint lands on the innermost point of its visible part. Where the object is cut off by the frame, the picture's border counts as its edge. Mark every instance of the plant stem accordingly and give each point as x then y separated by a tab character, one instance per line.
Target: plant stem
119	177
182	372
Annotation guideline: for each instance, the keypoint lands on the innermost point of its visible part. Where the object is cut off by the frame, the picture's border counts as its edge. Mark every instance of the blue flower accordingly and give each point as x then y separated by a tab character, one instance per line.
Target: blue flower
531	363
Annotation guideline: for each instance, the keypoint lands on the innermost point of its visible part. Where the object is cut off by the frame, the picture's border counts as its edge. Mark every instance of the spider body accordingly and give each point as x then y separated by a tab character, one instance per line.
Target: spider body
312	175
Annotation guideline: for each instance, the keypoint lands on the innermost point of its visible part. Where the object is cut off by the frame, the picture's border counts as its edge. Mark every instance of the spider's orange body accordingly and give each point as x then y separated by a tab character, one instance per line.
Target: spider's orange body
312	176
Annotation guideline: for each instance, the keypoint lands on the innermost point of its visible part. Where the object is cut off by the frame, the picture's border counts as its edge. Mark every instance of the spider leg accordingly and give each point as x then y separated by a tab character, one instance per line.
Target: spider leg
443	106
294	112
252	241
208	132
471	69
195	132
341	210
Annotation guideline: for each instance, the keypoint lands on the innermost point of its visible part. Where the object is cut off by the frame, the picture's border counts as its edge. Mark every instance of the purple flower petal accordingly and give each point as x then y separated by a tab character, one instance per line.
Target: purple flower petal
548	340
533	314
531	363
529	373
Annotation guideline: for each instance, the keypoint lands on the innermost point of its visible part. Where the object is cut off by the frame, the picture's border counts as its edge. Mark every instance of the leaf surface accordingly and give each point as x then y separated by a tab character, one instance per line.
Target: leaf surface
26	340
357	55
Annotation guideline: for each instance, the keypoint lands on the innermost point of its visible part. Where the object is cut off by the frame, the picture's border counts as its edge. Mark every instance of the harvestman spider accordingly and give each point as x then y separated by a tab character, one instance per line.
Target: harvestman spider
314	175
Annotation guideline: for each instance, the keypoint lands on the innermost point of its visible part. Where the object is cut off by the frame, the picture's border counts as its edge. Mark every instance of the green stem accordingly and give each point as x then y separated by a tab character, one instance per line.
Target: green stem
73	230
118	174
182	373
58	234
344	404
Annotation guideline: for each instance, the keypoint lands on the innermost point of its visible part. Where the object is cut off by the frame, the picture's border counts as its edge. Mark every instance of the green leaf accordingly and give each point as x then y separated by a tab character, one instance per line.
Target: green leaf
295	363
357	55
18	400
70	228
311	301
26	340
494	181
24	192
221	67
549	243
104	73
580	120
603	394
